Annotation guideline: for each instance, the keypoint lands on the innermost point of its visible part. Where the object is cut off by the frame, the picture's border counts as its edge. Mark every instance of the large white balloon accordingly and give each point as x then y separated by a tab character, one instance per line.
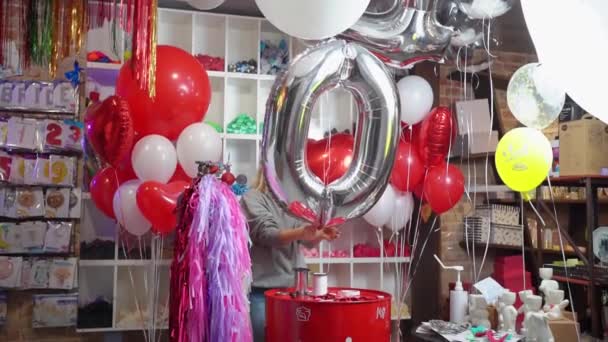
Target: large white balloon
403	209
198	142
204	5
382	211
154	158
416	97
573	52
312	19
126	210
533	97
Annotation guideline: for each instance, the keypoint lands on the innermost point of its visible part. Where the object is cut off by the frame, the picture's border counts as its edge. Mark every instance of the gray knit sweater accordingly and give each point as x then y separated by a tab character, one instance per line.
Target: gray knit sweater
272	261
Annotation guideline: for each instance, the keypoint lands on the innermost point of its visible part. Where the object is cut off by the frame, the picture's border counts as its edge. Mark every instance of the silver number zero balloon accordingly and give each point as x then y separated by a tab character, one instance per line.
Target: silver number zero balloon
329	65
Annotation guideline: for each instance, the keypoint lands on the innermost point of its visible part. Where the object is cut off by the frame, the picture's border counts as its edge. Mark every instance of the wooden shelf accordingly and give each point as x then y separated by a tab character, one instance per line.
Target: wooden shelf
548	201
571	280
482	245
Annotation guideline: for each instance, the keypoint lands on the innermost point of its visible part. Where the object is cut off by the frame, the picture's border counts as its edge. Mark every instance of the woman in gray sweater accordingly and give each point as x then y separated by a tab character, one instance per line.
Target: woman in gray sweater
276	237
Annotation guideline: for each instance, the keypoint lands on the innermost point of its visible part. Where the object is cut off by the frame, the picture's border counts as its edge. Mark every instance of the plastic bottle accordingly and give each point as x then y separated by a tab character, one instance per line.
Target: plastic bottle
459	302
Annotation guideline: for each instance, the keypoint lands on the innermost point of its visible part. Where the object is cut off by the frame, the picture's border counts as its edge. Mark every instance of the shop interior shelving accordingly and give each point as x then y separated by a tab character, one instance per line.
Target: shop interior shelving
233	38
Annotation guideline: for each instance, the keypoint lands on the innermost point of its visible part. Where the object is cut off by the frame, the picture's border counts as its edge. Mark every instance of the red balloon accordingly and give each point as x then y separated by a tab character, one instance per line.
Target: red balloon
125	171
102	187
407	134
435	135
408	170
157	202
182	96
180	175
330	162
109	129
443	187
228	178
419	191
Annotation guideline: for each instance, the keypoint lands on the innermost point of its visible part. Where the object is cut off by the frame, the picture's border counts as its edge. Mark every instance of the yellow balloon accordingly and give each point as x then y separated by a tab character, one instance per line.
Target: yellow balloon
523	158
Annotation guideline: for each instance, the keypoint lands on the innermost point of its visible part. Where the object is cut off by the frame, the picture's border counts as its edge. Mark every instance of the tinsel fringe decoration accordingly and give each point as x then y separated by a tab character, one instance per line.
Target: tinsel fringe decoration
211	269
43	32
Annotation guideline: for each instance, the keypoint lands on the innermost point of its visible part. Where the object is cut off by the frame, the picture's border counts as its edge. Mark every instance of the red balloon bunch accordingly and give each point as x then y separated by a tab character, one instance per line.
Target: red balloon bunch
420	165
114	126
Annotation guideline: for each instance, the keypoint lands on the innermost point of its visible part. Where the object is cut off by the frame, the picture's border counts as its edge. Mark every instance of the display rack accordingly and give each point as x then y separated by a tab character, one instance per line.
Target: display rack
234	38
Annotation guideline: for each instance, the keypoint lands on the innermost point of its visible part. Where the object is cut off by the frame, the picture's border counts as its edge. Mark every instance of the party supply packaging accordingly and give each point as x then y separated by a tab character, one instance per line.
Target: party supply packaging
54	310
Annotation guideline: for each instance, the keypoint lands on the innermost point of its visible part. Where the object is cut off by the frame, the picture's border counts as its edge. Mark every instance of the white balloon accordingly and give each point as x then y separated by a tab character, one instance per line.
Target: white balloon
126	210
403	209
382	211
416	97
154	158
533	97
198	142
204	5
312	19
575	68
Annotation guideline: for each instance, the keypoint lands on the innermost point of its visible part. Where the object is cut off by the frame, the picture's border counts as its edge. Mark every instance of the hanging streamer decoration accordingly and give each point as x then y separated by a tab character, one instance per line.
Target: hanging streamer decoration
211	269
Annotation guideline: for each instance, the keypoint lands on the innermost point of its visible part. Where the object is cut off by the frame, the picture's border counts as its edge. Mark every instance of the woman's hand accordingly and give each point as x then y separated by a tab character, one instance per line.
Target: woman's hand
316	234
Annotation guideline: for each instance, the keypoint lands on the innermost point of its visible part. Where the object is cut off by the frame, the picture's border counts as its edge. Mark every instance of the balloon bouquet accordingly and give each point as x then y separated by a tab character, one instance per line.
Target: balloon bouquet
373	172
134	135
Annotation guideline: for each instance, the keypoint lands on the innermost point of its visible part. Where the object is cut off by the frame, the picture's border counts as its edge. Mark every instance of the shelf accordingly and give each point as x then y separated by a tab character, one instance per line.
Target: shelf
235	136
130	262
105	66
482	245
401	260
547	201
93	330
571	280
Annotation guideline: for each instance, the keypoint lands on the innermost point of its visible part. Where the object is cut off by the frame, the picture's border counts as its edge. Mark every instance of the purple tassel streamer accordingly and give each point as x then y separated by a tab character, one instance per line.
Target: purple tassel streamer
218	270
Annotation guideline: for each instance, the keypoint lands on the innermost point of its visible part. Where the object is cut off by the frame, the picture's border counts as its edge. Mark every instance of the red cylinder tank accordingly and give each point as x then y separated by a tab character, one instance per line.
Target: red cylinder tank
329	318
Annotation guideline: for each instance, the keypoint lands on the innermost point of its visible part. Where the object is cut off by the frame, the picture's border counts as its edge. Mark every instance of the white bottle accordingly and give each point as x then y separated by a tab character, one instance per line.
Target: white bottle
459	301
459	298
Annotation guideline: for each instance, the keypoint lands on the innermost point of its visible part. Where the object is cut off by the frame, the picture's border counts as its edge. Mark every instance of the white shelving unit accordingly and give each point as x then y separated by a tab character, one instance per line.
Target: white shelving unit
233	38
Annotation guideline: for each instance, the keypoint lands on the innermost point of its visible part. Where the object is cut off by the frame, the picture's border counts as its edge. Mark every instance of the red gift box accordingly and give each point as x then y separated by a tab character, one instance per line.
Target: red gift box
512	261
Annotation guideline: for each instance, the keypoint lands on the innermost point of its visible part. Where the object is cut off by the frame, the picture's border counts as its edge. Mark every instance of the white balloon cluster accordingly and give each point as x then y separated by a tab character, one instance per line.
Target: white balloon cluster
393	210
155	158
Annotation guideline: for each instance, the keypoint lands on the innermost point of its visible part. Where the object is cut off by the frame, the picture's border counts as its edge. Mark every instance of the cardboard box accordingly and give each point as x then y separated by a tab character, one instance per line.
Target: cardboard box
583	147
473	117
566	329
474	144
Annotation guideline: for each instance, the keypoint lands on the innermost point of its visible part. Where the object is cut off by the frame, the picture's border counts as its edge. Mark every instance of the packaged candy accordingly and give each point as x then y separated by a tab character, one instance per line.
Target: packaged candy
55	310
3	133
58	236
42	171
57	202
61	171
10	271
26	273
29	202
10	209
6	161
75	203
29	171
5	245
23	134
54	135
62	273
32	236
73	134
39	278
17	173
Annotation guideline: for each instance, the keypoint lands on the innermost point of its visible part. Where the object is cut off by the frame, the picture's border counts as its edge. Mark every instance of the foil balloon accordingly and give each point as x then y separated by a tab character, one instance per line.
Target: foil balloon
402	36
327	66
329	158
436	134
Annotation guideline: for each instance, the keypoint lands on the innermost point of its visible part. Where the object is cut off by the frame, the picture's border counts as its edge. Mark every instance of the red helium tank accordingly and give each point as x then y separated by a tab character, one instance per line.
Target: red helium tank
310	319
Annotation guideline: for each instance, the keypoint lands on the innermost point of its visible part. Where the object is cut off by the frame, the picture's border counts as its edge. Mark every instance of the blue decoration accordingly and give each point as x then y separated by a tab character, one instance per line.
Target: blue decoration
239	189
273	57
74	75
